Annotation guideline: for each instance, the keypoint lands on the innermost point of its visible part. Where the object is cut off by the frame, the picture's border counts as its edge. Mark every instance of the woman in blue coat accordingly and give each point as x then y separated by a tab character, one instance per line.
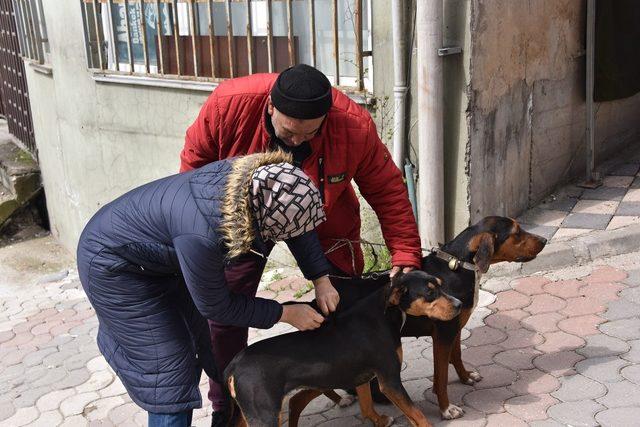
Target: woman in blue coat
152	265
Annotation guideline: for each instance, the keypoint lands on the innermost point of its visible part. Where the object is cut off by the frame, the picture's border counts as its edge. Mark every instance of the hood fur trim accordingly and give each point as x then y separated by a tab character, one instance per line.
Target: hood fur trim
236	227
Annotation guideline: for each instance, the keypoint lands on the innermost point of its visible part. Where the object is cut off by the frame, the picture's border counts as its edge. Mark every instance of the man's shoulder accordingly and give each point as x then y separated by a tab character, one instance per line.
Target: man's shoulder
346	110
253	85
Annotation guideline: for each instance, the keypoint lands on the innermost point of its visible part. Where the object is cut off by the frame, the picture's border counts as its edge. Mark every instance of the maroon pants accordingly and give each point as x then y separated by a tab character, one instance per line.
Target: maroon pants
243	277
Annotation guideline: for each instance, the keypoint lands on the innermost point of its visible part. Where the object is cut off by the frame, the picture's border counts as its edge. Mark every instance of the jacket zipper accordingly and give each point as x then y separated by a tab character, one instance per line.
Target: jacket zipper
321	177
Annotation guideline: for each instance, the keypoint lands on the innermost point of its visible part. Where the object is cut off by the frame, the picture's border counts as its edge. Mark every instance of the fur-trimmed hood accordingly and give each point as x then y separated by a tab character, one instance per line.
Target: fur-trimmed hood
237	223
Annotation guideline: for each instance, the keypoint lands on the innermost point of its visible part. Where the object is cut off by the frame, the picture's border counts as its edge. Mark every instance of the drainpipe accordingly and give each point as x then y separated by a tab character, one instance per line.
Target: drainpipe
400	82
593	179
430	122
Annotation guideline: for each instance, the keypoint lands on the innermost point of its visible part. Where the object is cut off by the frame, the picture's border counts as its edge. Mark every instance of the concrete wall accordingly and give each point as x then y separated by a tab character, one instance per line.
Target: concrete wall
527	103
456	72
96	140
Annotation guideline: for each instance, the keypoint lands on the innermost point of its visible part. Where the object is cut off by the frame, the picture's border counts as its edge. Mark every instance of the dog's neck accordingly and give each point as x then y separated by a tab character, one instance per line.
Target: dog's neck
459	245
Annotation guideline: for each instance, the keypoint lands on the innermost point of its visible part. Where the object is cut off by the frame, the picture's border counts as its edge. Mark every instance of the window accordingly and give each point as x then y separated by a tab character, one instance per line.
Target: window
211	40
32	32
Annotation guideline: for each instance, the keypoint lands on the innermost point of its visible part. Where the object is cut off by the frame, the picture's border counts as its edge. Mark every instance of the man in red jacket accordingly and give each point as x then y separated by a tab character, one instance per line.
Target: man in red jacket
335	142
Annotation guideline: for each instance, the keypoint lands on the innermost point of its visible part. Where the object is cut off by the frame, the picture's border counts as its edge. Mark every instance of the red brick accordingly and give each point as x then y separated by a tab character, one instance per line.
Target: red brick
541	323
603	291
580	306
517	359
520	338
559	341
564	288
19	339
485	335
481	354
558	364
534	381
510	300
44	328
605	273
495	376
545	304
6	336
581	325
505	320
530	407
488	401
530	285
504	420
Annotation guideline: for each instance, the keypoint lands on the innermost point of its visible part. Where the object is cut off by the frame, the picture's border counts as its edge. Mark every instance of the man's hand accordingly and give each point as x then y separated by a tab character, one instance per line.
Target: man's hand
301	316
326	295
396	269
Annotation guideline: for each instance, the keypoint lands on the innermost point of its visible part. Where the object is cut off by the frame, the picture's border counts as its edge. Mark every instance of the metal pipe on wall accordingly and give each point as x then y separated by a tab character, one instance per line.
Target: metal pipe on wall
400	82
590	130
430	124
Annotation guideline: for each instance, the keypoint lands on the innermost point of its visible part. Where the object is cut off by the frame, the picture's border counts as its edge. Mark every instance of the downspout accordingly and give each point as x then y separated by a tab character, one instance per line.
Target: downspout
430	122
592	179
399	82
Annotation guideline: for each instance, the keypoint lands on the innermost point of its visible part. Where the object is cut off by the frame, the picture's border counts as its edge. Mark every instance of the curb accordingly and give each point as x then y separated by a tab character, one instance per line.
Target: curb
575	252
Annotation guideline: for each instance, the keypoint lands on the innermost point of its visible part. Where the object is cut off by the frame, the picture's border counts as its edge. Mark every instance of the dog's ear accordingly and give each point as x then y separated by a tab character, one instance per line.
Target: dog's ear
396	294
483	245
397	288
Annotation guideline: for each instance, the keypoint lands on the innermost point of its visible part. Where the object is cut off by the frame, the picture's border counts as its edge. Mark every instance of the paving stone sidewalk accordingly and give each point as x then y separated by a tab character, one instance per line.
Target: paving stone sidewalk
555	348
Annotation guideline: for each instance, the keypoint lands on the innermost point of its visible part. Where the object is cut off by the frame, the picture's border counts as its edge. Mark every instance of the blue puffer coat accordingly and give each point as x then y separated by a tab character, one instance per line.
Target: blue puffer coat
152	265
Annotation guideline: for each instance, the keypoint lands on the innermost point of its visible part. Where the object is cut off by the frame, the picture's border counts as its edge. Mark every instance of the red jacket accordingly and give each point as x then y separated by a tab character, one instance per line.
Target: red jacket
232	123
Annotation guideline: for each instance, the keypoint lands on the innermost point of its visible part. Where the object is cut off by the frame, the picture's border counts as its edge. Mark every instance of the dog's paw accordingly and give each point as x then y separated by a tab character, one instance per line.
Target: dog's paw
476	377
384	421
452	412
346	401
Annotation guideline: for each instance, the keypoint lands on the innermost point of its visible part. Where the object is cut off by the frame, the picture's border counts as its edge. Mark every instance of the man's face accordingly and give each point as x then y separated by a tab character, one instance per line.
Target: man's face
293	132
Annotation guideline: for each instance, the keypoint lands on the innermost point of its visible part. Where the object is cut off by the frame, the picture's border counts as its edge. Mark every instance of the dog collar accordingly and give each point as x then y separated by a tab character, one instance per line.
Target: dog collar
453	262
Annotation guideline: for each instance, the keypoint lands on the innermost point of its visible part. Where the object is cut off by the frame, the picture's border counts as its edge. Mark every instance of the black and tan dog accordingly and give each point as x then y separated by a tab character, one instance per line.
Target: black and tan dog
347	351
459	264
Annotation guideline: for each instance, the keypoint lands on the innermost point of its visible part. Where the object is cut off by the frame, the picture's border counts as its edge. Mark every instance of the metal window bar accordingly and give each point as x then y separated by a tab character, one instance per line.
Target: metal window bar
359	62
34	18
230	39
212	38
249	37
87	31
97	30
290	34
114	32
20	9
159	34
22	42
143	36
270	57
127	24
194	37
31	23
312	30
176	35
336	48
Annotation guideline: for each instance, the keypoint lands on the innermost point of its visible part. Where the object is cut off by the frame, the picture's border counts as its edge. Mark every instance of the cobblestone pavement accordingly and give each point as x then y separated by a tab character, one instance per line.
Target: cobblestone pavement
555	348
573	211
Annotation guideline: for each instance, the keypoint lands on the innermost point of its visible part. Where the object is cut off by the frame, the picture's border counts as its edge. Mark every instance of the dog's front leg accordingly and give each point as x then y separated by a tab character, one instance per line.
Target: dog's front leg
441	355
466	377
392	387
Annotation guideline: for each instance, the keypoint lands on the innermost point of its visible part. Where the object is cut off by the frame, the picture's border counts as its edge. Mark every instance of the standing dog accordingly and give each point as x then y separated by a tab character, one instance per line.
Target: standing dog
347	351
459	264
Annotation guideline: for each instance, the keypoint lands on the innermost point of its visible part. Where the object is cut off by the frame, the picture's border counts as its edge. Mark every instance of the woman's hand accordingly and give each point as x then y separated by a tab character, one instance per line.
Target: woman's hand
301	316
326	295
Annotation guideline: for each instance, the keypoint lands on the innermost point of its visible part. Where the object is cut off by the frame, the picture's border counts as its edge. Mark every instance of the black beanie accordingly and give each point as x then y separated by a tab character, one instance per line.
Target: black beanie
302	92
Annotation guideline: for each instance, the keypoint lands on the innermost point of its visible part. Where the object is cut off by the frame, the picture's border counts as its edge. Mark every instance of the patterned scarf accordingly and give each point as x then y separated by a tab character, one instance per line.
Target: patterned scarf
285	202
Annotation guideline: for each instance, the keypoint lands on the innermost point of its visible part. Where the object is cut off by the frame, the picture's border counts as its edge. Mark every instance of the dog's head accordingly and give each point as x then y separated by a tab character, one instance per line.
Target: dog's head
496	239
420	294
